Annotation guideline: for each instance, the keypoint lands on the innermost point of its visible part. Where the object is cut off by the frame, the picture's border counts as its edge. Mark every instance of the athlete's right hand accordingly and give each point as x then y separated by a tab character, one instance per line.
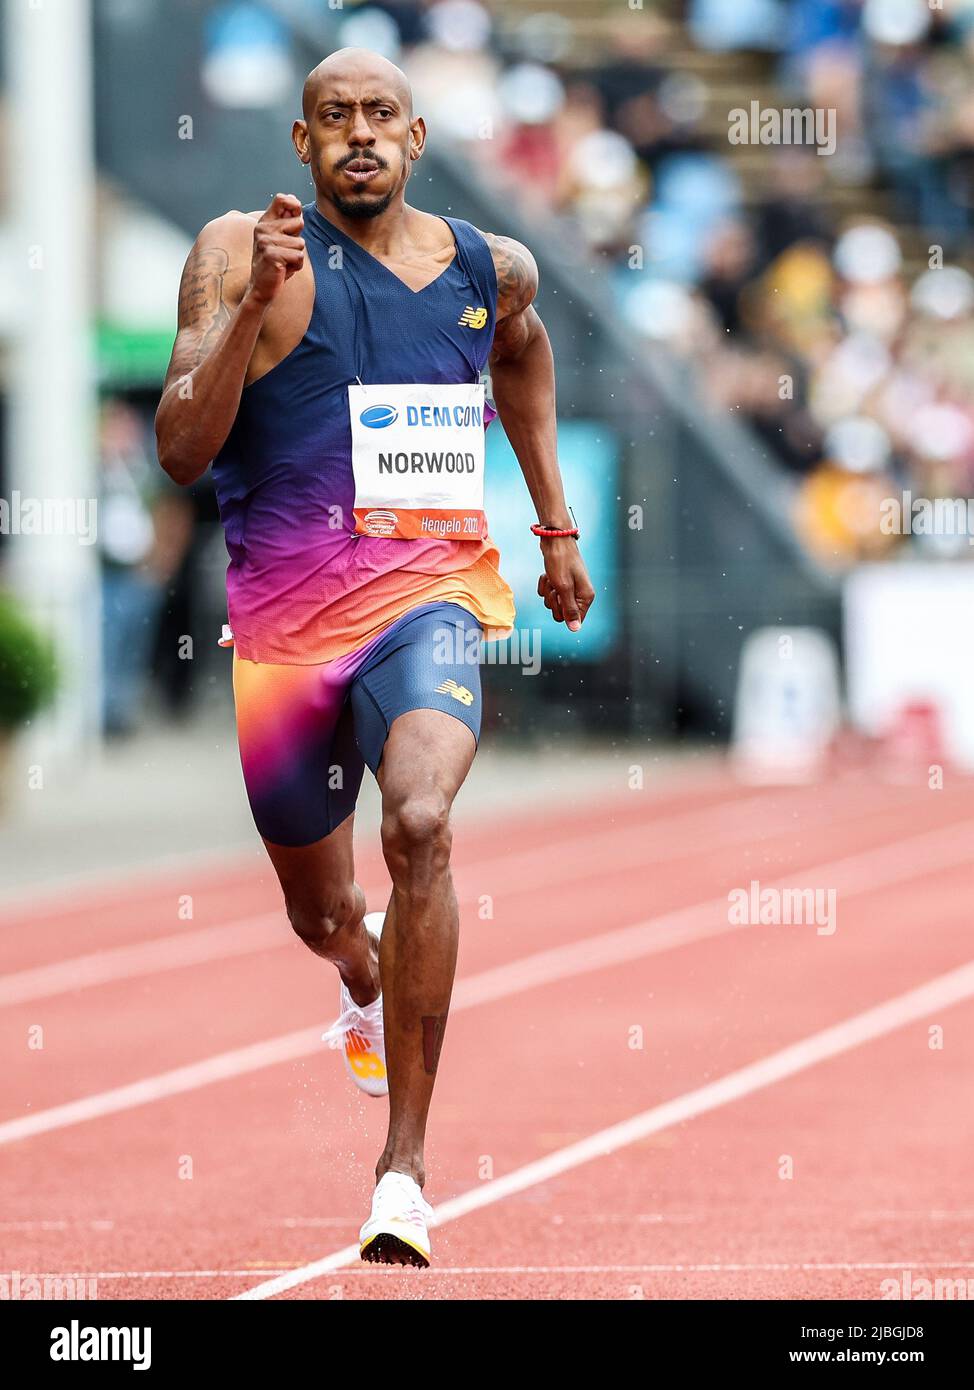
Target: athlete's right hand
278	247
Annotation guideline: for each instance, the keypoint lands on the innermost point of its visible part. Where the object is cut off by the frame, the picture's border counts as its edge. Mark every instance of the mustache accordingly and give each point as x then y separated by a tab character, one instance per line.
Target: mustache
370	158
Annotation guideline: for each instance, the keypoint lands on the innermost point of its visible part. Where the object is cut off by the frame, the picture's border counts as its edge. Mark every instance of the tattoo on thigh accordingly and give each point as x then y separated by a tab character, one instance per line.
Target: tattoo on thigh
434	1026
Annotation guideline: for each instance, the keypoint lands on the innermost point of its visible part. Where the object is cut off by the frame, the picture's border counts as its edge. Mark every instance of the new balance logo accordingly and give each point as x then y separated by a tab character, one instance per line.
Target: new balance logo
472	318
459	692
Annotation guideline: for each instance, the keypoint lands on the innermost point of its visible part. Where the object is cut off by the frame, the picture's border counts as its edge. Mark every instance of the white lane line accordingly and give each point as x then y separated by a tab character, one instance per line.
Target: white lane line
855	874
105	887
33	1225
102	888
898	1214
651	842
295	1222
939	993
533	869
144	958
169	1083
530	871
391	1271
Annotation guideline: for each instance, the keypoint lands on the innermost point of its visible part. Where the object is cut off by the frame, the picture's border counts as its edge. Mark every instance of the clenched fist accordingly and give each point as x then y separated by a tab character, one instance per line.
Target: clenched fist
565	586
278	247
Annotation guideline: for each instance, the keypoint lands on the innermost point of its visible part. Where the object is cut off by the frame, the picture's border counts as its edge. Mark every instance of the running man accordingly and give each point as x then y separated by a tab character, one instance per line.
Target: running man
328	363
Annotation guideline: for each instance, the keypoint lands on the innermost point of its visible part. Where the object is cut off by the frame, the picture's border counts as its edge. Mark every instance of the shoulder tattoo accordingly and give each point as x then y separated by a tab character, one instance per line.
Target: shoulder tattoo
517	274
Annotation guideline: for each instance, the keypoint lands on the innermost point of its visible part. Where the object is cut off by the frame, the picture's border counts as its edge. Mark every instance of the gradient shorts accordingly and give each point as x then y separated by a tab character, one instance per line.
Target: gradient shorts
307	732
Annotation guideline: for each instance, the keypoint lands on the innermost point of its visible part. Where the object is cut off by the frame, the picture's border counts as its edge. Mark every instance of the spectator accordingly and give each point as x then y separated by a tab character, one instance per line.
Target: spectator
141	535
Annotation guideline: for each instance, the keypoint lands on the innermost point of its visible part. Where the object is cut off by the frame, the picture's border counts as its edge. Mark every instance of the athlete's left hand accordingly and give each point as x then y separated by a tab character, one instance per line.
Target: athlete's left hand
565	586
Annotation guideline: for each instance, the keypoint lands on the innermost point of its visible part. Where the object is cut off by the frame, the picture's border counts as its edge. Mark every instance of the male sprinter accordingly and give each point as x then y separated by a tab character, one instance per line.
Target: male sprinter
328	362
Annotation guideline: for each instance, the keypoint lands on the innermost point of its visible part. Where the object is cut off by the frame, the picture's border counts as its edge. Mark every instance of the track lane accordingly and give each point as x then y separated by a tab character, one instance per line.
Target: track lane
312	1122
254	990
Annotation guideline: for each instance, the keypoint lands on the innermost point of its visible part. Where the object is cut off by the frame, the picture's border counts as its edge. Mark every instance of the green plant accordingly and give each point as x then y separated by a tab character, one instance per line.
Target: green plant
28	671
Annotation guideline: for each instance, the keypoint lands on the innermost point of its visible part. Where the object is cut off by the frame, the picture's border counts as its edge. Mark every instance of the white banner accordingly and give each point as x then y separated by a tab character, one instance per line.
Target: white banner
908	643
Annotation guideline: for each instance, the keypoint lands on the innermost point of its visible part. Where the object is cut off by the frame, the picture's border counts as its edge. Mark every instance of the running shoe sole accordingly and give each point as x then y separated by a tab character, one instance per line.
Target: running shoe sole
388	1249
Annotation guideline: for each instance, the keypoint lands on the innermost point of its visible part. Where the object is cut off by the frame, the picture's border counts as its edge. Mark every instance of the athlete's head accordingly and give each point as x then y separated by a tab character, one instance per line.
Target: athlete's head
358	136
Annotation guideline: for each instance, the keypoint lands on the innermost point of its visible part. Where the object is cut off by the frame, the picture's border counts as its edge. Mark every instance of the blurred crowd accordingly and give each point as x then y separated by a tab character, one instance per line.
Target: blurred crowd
145	534
818	297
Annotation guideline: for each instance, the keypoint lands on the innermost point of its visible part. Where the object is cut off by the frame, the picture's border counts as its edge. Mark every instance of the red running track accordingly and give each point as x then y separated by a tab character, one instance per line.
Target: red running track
637	1098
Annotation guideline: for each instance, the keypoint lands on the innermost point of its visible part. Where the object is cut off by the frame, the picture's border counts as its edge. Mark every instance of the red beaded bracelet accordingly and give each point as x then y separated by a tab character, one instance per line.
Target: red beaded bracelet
539	529
551	531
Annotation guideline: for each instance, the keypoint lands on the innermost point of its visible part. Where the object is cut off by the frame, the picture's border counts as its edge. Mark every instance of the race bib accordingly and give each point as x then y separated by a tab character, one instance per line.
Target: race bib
418	461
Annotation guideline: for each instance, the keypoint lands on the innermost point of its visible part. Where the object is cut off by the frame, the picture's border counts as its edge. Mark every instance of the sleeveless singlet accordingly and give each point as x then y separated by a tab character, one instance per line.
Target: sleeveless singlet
302	586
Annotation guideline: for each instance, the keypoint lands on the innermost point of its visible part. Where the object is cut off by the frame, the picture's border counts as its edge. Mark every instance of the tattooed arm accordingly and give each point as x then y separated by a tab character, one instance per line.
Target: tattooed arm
522	372
234	272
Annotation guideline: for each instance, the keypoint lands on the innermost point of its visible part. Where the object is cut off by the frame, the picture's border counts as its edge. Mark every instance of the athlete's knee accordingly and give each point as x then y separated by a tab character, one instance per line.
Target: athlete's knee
417	827
318	917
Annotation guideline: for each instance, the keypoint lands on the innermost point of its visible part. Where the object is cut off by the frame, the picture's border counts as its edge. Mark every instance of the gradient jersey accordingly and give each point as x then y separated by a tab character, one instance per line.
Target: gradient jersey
302	586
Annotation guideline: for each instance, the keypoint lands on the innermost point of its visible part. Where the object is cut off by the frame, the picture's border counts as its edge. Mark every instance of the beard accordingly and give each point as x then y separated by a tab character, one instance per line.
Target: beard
363	207
359	209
